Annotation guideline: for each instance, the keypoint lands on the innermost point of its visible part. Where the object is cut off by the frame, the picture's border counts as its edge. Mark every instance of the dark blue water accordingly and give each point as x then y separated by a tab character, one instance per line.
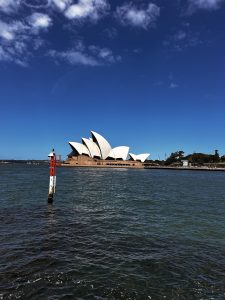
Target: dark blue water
112	234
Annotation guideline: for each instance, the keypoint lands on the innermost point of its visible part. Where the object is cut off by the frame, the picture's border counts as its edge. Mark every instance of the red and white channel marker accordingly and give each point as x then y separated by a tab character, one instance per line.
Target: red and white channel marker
52	180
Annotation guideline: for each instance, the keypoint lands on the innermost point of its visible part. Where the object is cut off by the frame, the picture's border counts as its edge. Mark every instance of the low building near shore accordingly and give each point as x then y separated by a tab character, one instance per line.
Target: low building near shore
185	163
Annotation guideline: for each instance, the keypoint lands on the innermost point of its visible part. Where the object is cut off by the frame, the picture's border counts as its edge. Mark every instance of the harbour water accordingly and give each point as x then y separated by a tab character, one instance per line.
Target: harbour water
111	234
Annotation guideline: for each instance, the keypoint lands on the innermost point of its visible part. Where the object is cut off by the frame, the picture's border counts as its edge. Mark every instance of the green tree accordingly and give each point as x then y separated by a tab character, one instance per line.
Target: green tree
174	157
216	156
222	158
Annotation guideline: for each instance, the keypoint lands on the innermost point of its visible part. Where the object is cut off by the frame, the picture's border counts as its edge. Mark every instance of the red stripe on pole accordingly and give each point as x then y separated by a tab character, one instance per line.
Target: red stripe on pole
53	166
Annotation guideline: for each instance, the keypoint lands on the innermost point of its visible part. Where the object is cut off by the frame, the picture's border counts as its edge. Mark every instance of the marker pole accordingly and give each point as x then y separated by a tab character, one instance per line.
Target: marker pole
52	180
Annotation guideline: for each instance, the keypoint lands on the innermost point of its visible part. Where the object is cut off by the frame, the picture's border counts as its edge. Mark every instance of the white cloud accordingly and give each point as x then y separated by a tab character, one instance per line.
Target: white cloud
8	31
129	14
14	53
104	54
13	47
61	4
10	56
75	57
20	39
91	56
16	39
9	5
204	4
93	9
38	20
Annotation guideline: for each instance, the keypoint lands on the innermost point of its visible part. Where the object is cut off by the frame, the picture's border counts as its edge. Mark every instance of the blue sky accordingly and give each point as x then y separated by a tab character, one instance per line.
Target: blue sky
144	74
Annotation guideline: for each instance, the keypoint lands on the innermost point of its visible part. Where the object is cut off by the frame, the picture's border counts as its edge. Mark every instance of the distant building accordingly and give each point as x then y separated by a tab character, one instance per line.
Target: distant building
96	151
185	163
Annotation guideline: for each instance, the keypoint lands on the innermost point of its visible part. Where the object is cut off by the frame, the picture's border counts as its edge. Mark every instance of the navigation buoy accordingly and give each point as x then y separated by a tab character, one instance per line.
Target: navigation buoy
52	180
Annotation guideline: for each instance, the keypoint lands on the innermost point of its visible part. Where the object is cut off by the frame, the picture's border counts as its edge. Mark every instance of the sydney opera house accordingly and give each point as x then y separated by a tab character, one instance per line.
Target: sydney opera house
97	152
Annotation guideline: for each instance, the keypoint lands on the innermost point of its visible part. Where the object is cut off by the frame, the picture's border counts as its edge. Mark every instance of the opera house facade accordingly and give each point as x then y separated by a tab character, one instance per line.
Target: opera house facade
97	152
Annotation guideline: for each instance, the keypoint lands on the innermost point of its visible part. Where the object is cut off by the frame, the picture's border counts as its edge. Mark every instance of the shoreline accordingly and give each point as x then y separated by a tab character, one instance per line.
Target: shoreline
186	168
146	167
125	166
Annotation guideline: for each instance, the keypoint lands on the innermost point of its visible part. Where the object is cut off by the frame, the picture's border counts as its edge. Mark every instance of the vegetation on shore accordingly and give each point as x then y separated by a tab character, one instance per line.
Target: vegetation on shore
194	159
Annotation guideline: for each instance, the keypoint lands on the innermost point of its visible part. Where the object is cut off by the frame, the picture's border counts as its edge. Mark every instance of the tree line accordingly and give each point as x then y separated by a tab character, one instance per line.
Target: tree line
195	158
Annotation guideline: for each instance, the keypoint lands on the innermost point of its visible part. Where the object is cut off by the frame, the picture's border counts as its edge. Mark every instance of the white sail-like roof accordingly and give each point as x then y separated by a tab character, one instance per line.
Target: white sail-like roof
98	146
80	148
102	143
120	152
133	156
141	157
92	147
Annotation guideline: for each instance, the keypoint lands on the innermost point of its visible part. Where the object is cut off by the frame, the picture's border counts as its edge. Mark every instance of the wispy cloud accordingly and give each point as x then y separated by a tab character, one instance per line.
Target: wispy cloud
204	5
8	31
111	32
172	82
92	9
74	57
8	6
173	85
180	35
11	37
21	34
87	56
143	17
18	38
104	54
182	39
14	54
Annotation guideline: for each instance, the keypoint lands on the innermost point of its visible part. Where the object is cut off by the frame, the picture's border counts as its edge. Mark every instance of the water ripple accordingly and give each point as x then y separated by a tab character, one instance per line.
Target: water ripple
111	234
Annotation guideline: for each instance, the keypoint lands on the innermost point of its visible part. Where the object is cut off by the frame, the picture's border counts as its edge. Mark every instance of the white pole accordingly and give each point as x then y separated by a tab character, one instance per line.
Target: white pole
52	179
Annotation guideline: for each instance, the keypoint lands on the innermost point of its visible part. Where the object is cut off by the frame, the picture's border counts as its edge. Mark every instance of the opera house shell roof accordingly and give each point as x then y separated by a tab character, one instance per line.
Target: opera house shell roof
98	147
